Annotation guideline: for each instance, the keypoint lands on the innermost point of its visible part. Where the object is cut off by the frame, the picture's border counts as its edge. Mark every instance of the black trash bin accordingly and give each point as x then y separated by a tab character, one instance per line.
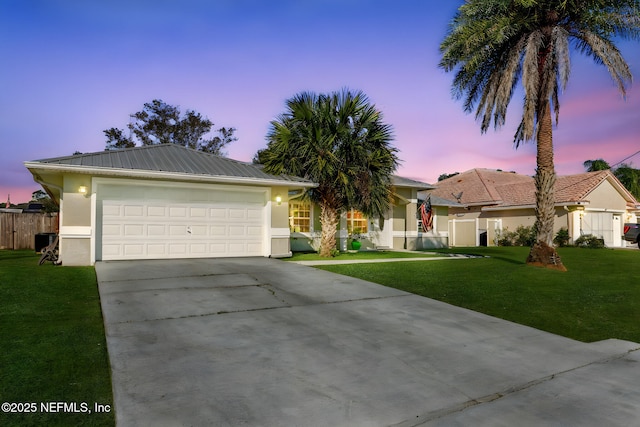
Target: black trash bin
42	240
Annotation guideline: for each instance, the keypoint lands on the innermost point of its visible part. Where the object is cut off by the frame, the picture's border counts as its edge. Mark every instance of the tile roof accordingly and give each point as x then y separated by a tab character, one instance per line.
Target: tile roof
477	186
171	158
504	189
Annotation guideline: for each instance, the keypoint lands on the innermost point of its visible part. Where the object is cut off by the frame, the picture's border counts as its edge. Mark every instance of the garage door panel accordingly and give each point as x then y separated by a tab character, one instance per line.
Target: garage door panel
198	212
156	250
111	251
219	213
236	230
111	210
156	230
218	230
177	248
199	230
168	229
133	250
177	212
254	231
133	230
109	230
156	211
133	211
237	214
177	230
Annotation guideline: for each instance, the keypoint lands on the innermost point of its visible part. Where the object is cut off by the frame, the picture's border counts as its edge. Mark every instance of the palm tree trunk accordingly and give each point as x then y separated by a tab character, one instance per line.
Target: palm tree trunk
542	252
329	223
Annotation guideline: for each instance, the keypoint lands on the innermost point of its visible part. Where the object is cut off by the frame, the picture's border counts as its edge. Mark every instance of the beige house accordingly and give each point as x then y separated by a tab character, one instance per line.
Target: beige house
165	201
400	228
491	200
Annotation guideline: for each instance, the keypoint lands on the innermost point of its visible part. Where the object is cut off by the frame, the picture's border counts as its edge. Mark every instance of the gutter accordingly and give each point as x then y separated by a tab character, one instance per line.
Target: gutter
137	173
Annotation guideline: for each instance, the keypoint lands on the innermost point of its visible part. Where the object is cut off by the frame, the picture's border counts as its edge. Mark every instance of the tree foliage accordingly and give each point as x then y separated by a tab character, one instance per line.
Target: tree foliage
161	123
444	176
339	141
630	178
626	174
493	45
48	205
596	165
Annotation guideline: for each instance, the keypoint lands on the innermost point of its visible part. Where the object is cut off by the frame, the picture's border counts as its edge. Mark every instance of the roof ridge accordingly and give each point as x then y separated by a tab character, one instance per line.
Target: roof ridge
491	189
581	179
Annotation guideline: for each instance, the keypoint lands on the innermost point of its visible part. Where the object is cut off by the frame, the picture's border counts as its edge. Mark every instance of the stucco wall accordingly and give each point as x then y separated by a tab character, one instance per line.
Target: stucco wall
605	196
76	206
75	251
75	221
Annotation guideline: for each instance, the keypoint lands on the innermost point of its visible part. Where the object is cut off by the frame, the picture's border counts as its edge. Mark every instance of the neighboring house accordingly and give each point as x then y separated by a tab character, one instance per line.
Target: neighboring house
400	228
588	203
165	201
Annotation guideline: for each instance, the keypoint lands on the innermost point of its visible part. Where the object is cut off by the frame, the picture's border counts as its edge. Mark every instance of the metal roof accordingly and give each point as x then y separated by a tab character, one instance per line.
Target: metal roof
400	181
171	158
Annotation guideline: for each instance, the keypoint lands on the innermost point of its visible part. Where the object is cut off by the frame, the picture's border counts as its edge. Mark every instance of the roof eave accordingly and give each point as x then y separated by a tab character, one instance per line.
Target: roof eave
138	173
511	207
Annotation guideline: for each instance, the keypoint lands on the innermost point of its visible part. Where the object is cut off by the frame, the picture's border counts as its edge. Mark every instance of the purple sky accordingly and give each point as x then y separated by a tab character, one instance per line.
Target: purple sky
71	69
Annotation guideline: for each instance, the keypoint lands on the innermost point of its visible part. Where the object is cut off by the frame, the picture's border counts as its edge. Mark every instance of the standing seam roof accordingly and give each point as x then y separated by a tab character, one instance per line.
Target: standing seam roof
169	158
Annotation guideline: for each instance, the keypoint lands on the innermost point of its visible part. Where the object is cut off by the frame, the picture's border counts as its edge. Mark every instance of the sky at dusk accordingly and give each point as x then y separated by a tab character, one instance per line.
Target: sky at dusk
73	68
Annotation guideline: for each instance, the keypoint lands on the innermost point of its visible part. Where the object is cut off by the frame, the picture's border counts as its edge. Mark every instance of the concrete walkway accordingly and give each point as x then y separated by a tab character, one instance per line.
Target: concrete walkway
370	261
262	342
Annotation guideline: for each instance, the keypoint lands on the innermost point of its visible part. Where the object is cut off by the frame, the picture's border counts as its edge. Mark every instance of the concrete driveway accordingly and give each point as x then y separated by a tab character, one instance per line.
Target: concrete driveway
263	342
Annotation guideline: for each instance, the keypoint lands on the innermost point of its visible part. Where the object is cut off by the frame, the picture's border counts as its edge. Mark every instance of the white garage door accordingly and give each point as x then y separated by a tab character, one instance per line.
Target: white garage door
185	223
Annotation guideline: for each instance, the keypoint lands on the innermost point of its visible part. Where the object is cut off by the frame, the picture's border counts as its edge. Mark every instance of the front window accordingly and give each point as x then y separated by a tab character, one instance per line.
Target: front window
356	222
299	217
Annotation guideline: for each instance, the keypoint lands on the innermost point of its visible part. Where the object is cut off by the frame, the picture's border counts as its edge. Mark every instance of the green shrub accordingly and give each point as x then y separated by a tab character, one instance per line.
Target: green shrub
522	236
562	237
525	236
590	241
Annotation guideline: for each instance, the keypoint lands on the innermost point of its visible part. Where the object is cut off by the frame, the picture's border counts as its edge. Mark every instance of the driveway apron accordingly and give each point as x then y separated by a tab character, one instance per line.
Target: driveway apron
263	342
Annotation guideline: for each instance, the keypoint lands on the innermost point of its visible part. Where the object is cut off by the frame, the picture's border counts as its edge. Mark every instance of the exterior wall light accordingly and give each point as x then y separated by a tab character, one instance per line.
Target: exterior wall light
82	189
279	200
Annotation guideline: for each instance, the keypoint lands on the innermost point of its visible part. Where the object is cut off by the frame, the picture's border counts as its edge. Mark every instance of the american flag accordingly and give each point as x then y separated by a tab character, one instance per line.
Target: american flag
426	214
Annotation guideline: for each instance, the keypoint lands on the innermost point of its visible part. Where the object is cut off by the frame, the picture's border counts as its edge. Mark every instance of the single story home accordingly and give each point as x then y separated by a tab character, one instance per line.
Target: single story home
168	201
165	201
492	200
400	228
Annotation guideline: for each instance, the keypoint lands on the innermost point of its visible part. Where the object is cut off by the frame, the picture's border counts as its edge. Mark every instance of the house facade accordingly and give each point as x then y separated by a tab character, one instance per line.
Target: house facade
400	228
492	201
165	201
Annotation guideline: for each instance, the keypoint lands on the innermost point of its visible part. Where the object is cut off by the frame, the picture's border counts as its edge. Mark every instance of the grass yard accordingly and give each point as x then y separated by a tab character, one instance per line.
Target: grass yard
345	256
598	298
53	343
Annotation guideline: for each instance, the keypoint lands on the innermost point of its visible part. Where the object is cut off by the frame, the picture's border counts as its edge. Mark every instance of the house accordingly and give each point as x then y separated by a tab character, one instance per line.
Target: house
165	201
493	200
399	228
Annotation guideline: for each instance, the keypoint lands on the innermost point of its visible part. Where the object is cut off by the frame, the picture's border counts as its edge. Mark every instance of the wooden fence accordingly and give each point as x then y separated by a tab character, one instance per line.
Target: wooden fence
18	230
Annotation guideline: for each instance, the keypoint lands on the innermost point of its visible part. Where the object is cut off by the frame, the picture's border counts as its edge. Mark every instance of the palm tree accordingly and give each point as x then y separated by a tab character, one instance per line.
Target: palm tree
630	178
339	141
493	44
596	165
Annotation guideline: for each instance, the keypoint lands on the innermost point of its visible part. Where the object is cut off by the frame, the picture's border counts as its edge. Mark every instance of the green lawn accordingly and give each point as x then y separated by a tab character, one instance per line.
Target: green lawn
53	343
598	298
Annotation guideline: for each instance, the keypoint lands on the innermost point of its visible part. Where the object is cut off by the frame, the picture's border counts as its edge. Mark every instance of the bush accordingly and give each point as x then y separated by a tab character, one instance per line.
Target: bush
562	237
590	241
522	236
525	236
